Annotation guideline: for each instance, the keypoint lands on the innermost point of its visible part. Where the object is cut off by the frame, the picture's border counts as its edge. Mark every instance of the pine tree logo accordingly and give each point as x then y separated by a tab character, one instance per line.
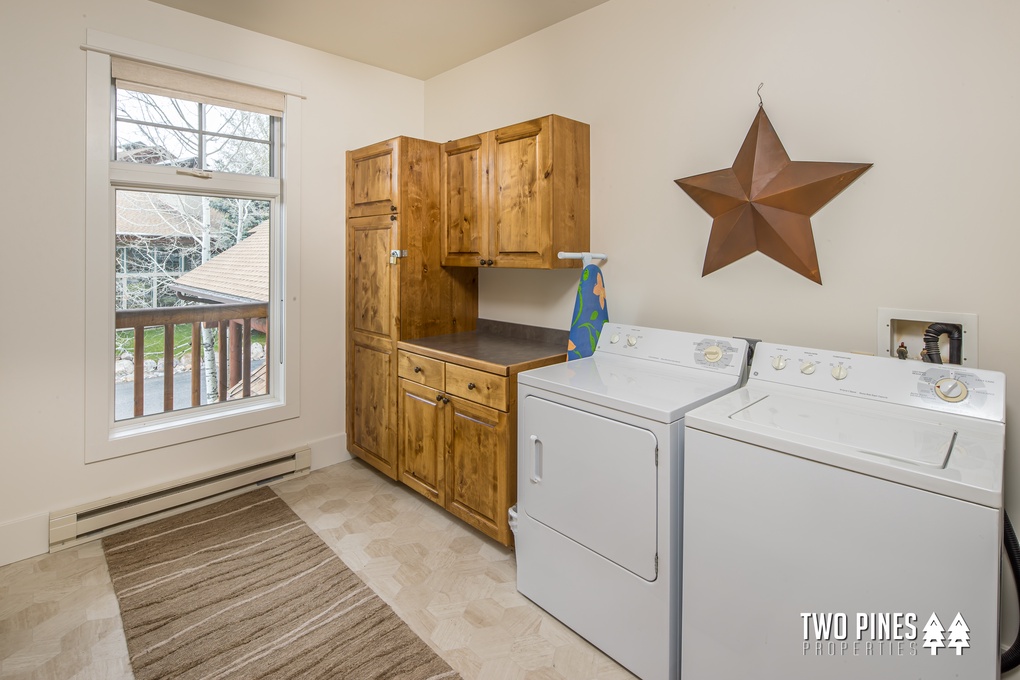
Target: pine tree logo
933	634
959	634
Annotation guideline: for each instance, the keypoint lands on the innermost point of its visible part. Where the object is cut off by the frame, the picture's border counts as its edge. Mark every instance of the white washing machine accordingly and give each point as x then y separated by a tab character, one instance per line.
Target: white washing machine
600	443
843	520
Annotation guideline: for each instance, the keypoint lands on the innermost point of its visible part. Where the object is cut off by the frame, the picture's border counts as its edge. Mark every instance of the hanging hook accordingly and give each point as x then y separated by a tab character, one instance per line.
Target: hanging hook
761	104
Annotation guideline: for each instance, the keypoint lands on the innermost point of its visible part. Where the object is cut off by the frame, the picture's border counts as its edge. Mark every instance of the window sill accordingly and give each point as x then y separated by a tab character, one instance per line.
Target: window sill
177	427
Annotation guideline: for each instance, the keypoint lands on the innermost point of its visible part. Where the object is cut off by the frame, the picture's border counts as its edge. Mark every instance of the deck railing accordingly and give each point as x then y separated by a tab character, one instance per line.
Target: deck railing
196	315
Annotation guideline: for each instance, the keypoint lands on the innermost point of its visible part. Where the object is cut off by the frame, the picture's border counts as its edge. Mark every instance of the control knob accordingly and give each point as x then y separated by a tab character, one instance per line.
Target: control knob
631	340
614	338
951	390
712	354
807	368
779	362
839	372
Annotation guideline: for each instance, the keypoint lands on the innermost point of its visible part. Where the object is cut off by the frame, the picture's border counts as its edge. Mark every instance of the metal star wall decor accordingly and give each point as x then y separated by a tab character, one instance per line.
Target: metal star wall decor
765	202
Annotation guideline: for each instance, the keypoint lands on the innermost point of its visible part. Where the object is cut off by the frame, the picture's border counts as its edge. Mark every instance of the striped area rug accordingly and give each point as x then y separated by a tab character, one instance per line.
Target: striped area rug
244	589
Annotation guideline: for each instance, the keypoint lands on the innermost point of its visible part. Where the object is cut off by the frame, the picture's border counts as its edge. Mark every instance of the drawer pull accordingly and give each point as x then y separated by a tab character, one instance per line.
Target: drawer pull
417	369
471	386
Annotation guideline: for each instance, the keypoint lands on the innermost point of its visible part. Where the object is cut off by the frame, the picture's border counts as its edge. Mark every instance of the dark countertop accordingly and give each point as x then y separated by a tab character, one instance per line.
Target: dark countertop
495	347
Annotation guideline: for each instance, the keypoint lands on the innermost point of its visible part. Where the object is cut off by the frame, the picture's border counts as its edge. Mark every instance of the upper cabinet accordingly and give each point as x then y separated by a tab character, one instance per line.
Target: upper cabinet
513	197
372	180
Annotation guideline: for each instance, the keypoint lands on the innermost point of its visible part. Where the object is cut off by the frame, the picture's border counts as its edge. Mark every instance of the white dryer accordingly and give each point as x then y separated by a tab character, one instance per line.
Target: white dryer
843	520
600	443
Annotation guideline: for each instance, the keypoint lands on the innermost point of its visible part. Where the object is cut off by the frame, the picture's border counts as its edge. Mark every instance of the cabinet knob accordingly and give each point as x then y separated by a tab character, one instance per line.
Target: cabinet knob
471	386
417	369
445	400
439	397
393	218
489	263
393	208
482	262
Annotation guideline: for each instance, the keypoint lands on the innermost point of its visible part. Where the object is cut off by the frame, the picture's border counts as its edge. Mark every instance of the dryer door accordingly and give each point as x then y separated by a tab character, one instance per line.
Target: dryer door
591	479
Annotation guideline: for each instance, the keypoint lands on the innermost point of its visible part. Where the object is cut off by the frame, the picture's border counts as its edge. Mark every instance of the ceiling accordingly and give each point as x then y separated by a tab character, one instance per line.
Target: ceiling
418	38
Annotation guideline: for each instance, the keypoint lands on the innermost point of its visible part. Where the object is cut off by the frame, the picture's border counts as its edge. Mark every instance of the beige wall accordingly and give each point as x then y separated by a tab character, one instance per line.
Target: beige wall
925	90
41	279
921	89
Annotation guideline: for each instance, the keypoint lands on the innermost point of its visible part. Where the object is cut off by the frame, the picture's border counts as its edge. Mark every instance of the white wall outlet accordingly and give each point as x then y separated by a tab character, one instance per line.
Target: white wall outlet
907	326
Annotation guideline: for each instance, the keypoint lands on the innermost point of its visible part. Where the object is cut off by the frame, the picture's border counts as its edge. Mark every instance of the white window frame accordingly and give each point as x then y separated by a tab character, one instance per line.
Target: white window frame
106	438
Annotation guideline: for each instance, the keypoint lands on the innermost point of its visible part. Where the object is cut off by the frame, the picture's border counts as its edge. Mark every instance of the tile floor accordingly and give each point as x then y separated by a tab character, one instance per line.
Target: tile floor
454	587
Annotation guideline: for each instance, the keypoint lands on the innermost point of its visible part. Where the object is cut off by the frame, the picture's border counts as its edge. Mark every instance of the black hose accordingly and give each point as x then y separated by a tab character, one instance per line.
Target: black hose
932	334
1011	657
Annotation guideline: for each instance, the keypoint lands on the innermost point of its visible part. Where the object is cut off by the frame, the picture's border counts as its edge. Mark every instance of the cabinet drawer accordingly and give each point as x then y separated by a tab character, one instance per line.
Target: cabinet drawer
422	370
478	386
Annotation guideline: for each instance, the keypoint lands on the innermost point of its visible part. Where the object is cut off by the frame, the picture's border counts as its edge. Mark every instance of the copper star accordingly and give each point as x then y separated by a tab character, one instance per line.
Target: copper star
765	202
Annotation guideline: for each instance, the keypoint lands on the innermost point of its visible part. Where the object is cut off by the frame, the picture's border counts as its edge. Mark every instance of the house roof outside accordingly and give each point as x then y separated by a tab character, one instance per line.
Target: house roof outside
238	274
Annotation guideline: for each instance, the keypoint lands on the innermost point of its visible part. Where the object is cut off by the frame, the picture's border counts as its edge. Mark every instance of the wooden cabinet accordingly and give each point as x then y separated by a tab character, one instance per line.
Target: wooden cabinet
516	196
511	197
393	205
458	441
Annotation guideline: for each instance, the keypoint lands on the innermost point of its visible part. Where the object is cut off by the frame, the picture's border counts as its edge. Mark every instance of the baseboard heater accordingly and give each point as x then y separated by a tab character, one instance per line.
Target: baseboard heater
93	520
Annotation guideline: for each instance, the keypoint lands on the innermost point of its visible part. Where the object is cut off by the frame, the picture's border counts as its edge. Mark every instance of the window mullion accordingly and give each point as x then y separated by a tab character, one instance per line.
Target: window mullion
201	135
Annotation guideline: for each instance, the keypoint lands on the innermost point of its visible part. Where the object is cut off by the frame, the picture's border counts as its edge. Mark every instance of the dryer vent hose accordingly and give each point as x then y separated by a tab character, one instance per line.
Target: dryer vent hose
1011	657
931	342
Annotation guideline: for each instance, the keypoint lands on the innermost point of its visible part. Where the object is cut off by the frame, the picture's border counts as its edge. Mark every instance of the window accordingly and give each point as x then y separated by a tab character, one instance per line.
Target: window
186	251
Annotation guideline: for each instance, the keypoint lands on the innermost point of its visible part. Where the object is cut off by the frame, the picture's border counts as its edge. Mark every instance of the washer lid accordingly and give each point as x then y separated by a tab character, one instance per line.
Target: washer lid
650	389
912	441
949	454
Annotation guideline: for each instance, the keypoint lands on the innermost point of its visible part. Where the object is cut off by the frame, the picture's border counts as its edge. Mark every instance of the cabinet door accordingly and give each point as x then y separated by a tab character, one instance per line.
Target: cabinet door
476	467
522	195
372	179
371	279
421	440
464	212
370	426
372	303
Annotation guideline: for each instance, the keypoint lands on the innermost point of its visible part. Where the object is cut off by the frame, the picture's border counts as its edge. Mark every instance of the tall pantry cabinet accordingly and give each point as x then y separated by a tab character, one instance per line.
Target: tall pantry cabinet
396	288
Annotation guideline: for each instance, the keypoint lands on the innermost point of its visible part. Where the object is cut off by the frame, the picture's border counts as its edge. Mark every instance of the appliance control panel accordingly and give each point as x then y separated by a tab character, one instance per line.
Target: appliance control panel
677	348
938	387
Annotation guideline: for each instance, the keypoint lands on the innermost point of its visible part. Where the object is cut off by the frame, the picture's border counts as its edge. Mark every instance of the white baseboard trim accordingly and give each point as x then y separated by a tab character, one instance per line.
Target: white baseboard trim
24	538
329	451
